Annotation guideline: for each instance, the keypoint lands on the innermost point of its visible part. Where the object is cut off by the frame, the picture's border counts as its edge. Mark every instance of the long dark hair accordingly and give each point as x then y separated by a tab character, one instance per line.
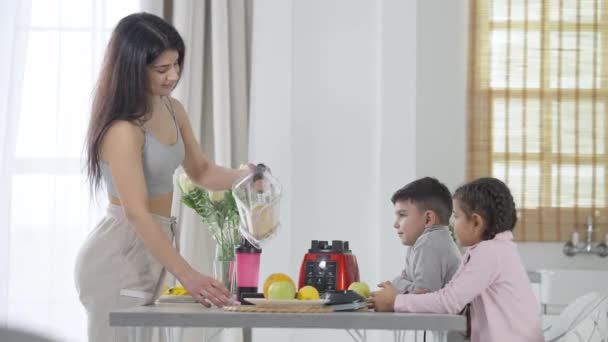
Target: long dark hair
491	199
122	91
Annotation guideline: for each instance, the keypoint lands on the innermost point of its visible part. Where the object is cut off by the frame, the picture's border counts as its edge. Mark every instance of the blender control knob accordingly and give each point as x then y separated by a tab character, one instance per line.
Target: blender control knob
336	246
323	245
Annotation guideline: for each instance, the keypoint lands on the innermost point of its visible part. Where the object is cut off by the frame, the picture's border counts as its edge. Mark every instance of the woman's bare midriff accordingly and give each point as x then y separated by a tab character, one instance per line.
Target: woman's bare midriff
160	205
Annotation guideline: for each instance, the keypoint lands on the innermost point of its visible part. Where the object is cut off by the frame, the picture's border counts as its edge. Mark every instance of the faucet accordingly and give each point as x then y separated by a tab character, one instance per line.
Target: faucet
589	233
572	248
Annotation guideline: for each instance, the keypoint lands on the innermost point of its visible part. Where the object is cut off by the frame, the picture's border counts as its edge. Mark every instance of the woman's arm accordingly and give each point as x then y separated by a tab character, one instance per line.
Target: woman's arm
200	169
121	148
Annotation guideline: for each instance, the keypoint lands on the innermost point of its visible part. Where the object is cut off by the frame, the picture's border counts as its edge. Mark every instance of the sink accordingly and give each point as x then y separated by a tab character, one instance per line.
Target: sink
562	286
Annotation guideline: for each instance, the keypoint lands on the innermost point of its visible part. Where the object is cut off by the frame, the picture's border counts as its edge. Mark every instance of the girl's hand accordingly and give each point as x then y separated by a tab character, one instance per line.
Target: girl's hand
384	300
205	289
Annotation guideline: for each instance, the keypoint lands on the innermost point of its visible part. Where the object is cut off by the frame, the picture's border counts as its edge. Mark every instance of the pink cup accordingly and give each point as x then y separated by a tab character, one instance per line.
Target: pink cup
247	267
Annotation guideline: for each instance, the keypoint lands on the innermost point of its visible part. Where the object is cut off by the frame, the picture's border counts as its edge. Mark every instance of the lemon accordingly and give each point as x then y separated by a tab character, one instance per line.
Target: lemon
308	293
361	288
175	291
276	277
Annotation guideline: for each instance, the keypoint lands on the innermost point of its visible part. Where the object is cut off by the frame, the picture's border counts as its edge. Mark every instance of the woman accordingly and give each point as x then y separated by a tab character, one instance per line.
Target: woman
137	137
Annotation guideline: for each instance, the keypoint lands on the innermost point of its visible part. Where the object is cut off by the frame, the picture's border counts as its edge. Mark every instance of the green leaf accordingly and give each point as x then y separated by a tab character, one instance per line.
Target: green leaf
222	218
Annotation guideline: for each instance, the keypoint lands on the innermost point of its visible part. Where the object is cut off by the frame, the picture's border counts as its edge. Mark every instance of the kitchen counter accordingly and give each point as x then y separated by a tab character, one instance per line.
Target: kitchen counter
194	315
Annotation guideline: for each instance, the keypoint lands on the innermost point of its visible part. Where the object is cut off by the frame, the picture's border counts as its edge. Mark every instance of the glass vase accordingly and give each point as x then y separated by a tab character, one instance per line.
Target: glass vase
224	270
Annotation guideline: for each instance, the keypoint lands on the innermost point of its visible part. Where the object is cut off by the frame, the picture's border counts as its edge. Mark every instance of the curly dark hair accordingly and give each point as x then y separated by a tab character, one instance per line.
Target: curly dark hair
491	199
428	194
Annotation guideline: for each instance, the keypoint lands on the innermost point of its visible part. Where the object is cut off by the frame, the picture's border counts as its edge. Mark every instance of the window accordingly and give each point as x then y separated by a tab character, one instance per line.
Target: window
537	110
49	212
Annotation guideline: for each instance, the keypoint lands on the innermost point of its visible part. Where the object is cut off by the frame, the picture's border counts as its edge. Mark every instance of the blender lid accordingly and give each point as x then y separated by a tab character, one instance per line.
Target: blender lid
245	246
323	246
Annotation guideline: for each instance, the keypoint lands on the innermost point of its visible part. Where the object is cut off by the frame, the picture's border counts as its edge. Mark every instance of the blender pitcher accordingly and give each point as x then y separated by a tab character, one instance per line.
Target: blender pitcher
257	198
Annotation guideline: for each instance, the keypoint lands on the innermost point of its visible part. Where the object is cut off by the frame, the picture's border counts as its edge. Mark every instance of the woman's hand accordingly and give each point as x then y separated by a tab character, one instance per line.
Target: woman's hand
258	179
205	289
384	300
251	167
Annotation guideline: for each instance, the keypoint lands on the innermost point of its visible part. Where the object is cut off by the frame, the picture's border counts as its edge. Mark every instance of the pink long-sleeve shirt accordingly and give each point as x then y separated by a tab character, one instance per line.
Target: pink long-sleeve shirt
492	278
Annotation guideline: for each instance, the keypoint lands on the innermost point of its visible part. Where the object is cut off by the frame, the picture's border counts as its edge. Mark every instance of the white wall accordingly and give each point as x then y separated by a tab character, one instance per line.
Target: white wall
353	99
441	51
316	106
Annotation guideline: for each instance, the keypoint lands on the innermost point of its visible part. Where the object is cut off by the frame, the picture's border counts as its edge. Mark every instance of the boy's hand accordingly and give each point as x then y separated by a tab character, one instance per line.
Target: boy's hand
384	300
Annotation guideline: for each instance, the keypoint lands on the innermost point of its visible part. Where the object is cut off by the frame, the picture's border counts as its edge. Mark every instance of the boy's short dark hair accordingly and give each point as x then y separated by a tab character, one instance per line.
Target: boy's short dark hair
428	194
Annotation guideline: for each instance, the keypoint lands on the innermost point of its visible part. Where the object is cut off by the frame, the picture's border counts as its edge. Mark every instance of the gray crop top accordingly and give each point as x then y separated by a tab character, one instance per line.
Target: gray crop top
159	161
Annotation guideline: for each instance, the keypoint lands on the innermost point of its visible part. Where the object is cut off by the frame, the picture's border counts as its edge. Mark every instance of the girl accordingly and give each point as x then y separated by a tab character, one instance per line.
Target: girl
137	137
491	276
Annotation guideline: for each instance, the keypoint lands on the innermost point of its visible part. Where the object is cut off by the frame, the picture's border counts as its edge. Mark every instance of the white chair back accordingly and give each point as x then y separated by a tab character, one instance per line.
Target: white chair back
585	319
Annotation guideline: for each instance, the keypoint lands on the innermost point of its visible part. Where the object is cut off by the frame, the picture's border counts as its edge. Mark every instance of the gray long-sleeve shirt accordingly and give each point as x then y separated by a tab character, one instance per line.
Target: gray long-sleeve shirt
430	263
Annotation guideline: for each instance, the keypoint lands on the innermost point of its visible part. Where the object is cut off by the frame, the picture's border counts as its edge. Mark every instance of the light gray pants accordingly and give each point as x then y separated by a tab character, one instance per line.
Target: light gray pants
114	270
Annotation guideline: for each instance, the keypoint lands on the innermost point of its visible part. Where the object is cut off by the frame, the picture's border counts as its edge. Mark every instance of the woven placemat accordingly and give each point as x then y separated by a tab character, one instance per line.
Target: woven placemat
278	308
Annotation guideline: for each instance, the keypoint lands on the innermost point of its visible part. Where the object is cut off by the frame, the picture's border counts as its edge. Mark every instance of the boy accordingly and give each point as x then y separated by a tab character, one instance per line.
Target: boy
423	209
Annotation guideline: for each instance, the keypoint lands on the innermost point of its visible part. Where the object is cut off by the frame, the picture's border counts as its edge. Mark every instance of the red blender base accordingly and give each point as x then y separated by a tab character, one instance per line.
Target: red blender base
329	268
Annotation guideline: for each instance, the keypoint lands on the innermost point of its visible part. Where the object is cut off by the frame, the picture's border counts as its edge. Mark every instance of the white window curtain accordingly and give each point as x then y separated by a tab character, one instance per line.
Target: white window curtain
50	56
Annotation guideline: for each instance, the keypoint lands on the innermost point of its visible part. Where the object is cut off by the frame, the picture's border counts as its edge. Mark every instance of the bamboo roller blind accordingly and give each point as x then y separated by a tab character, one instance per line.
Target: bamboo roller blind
537	110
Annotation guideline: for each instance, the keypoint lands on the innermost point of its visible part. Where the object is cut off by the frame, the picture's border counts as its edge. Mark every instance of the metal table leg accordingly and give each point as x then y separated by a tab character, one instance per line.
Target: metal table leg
247	335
